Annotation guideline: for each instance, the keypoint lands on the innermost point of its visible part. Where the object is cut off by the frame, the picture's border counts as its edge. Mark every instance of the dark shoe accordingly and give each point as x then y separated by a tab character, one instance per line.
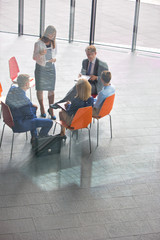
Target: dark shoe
63	136
43	115
52	117
54	106
33	142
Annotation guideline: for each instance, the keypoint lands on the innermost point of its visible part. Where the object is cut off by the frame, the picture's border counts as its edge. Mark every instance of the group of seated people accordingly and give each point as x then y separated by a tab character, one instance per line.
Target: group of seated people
81	95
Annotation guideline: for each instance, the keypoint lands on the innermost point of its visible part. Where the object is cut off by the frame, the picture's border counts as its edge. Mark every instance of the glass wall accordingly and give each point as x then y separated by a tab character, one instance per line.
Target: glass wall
31	17
114	22
82	20
9	16
57	14
149	25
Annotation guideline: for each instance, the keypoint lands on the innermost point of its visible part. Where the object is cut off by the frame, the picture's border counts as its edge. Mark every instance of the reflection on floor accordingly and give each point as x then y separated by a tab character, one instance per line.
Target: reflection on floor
112	193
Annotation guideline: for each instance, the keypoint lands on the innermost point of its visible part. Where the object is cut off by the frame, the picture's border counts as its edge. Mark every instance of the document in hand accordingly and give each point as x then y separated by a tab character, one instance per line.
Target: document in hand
83	77
62	105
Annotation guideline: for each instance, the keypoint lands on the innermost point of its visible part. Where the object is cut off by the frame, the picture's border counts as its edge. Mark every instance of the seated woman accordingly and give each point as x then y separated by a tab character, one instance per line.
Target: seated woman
82	99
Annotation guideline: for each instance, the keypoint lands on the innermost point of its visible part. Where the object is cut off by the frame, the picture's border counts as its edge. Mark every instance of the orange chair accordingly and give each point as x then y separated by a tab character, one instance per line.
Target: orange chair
105	110
2	98
8	120
1	90
82	119
14	70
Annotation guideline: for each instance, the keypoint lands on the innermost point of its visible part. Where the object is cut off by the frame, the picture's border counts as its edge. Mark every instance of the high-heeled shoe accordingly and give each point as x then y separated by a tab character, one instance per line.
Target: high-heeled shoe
43	115
52	117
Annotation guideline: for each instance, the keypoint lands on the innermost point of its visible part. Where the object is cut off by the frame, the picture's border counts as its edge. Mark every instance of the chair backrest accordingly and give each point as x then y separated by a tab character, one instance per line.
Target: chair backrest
82	118
107	106
7	115
13	68
1	90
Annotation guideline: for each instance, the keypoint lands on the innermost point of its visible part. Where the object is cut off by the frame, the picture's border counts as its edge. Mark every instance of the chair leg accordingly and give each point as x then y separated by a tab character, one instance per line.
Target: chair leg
1	111
97	132
2	134
30	94
26	136
89	134
76	134
54	128
12	146
110	125
70	145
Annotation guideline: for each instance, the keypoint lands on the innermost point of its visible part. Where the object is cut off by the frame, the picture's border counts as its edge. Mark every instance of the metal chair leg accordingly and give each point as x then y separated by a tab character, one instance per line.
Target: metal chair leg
30	94
54	128
12	146
26	136
110	125
89	134
97	132
70	145
76	134
2	134
1	111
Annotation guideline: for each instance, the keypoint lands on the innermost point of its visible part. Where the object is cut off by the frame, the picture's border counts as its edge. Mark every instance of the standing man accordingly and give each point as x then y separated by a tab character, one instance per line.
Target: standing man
24	112
92	66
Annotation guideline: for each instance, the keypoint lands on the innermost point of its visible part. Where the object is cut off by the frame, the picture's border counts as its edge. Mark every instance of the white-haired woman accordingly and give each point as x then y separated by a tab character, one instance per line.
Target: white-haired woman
45	73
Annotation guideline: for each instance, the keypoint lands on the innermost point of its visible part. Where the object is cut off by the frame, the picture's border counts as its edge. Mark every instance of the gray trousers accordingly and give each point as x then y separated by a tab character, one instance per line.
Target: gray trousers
69	96
72	93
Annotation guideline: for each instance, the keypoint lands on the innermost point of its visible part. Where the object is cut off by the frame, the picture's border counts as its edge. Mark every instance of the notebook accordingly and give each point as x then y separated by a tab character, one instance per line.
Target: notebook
62	105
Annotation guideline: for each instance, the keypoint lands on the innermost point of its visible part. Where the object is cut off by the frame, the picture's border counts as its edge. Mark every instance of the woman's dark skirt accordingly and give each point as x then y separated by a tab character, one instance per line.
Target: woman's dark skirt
45	77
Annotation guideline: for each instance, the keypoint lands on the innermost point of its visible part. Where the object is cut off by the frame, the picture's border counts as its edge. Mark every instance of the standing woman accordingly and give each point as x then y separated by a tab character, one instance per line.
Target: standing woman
45	74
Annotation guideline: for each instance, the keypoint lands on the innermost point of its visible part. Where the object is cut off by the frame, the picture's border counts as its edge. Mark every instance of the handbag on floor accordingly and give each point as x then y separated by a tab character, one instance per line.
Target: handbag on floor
48	145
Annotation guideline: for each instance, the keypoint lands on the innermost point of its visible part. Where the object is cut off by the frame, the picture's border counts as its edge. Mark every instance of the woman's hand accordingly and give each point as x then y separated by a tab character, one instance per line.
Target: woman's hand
35	106
67	103
79	75
52	60
93	78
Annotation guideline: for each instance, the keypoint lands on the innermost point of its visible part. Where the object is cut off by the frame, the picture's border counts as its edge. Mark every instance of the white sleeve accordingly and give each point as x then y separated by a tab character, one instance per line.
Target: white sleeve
54	51
38	47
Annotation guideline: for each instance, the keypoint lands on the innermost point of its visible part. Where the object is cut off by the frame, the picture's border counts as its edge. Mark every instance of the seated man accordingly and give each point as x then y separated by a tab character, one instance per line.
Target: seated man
107	91
92	66
24	112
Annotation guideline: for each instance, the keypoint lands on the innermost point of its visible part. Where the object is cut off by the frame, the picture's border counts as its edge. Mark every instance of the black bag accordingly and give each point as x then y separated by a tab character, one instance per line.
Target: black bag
48	145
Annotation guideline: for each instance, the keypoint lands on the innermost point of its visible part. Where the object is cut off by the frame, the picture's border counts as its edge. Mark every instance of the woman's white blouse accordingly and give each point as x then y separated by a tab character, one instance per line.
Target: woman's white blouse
39	46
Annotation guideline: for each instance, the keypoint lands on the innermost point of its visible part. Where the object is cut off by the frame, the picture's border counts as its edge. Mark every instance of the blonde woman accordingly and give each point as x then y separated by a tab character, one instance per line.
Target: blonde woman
45	73
83	98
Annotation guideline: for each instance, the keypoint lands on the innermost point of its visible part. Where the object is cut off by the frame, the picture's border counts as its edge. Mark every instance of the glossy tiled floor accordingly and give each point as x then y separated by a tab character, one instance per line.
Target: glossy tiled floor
112	193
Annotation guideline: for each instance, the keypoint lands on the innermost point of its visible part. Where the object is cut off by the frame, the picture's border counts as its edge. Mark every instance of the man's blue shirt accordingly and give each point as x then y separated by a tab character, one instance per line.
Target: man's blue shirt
103	94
